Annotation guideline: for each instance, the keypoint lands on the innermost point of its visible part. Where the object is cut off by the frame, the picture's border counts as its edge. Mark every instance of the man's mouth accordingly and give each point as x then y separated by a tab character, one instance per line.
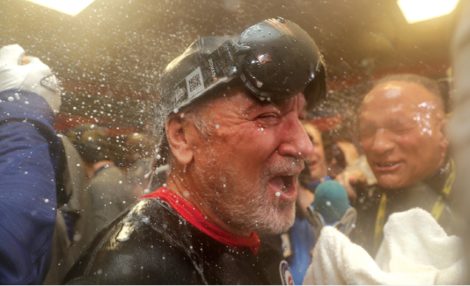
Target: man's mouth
312	165
387	166
284	187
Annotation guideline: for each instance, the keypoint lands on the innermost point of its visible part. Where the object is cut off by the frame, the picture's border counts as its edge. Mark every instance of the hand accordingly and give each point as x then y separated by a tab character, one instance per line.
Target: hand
25	72
352	179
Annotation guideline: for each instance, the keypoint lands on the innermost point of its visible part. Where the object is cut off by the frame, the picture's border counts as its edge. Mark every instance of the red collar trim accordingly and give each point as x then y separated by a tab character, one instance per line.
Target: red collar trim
197	219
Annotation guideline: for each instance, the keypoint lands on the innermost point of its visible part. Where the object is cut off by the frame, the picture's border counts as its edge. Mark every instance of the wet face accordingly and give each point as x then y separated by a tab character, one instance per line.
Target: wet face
402	133
248	164
316	162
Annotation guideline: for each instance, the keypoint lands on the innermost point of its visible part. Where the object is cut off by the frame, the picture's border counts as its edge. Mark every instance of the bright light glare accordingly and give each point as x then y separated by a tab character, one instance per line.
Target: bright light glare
420	10
71	7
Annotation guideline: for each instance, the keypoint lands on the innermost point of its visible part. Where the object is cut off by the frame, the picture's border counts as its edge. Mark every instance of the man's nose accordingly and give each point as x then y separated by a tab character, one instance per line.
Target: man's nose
383	142
296	142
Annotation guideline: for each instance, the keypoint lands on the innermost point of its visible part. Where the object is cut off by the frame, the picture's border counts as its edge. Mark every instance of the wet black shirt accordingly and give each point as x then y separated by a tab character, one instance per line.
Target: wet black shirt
423	194
151	243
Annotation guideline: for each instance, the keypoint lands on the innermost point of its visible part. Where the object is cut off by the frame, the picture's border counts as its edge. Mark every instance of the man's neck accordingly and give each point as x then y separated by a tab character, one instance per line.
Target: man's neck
181	184
438	178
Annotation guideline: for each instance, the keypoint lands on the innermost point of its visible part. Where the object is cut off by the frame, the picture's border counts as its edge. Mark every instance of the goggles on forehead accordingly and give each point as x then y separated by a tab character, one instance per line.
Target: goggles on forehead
274	59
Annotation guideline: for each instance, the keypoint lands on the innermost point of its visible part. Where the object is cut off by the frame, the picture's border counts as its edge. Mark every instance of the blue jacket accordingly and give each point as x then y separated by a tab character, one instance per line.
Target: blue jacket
29	154
303	241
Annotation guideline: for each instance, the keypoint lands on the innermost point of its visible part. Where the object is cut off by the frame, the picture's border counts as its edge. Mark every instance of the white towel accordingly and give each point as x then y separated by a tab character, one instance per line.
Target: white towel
415	250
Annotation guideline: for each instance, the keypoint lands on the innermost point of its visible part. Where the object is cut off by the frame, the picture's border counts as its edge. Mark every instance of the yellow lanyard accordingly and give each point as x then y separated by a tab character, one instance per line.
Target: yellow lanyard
436	212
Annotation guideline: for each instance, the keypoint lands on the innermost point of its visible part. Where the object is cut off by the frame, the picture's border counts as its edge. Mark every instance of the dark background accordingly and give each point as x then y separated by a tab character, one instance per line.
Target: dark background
110	56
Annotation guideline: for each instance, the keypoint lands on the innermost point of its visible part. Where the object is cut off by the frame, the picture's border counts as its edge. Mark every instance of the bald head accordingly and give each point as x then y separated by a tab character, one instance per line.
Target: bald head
427	83
394	94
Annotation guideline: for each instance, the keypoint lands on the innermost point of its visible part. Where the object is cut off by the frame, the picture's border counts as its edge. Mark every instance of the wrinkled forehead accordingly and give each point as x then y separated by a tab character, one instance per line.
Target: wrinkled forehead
395	96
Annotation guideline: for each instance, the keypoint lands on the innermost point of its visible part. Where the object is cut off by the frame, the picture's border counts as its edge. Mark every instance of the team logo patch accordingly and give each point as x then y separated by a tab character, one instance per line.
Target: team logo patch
286	275
194	82
179	93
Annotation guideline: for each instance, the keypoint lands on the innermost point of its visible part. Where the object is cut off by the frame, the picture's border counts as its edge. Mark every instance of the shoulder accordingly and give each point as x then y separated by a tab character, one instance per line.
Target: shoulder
136	249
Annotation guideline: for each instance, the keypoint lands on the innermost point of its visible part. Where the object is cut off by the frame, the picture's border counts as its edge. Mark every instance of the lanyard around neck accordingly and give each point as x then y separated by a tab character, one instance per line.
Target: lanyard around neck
436	212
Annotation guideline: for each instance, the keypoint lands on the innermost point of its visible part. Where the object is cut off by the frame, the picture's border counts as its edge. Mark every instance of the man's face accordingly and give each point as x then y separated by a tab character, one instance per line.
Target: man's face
316	162
248	165
402	133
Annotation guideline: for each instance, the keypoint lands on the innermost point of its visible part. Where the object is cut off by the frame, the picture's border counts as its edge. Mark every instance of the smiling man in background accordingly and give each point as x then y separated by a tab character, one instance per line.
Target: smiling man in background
230	112
403	135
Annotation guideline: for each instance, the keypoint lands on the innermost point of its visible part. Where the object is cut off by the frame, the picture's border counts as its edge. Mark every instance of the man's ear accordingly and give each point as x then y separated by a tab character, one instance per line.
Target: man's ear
444	139
177	139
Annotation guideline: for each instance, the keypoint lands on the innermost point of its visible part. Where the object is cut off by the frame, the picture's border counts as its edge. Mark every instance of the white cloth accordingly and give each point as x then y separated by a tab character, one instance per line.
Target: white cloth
415	250
34	76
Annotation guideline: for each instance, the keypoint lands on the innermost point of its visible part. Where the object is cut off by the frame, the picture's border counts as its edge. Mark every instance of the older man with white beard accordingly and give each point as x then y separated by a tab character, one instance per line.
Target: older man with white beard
231	112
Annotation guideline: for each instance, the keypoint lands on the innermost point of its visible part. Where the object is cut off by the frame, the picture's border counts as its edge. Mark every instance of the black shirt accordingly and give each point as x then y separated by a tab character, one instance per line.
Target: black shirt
152	243
423	194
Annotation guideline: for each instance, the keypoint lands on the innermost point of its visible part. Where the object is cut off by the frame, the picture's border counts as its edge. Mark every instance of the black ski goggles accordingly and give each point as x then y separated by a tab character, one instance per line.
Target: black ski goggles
274	59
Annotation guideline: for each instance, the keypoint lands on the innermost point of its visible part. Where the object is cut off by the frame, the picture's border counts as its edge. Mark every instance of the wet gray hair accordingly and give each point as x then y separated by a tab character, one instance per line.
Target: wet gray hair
195	113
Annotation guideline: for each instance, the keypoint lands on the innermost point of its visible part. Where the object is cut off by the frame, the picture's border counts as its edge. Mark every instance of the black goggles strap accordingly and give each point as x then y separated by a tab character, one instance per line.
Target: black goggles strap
219	67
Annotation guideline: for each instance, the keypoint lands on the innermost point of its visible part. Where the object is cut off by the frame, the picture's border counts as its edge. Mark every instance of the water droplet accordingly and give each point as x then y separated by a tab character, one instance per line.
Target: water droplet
77	237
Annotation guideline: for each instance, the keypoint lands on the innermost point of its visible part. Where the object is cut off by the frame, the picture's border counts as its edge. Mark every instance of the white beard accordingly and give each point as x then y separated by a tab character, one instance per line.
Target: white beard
233	200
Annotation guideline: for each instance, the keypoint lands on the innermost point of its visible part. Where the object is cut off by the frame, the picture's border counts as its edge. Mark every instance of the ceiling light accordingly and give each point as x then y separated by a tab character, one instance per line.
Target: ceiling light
71	7
420	10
